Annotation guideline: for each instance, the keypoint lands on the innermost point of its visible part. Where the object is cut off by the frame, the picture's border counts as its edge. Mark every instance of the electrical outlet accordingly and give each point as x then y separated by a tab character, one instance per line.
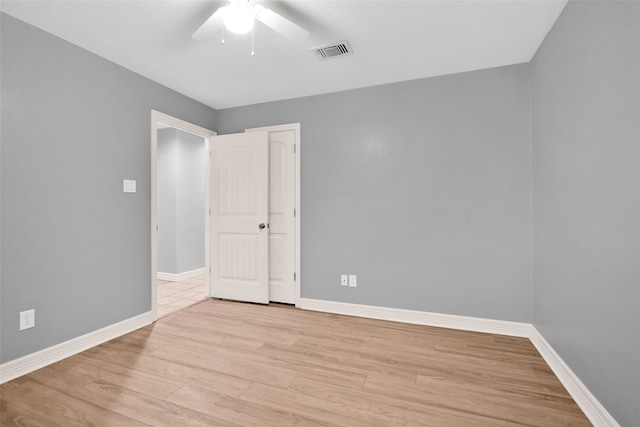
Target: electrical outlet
344	280
129	186
27	319
353	281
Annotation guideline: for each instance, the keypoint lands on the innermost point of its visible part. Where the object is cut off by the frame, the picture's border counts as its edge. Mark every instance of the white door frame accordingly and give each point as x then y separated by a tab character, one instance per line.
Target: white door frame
157	116
296	128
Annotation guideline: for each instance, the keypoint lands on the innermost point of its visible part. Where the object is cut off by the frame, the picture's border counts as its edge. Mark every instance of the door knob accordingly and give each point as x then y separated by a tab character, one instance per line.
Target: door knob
261	226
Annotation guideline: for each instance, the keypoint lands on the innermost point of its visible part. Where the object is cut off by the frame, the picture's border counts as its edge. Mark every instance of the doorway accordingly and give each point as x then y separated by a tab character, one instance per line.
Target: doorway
179	197
181	219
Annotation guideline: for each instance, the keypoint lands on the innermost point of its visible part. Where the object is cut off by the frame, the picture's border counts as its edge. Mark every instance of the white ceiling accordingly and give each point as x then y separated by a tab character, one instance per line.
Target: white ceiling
393	40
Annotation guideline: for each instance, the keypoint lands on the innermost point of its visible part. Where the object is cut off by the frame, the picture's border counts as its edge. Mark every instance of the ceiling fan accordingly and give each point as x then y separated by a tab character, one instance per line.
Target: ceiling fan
238	17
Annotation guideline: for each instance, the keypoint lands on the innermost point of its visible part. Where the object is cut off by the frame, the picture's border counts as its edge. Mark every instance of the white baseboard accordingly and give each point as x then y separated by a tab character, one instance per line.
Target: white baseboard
591	407
170	277
476	324
31	362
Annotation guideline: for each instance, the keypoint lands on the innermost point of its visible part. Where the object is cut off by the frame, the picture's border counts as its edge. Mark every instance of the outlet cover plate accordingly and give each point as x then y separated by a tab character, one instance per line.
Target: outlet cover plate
129	186
344	280
353	281
27	319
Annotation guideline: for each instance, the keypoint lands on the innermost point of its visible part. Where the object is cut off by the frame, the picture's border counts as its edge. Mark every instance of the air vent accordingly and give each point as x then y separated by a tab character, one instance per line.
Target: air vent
333	50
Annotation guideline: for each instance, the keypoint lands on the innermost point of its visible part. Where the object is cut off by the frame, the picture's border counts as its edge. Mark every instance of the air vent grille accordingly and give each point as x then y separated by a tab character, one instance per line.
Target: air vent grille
333	50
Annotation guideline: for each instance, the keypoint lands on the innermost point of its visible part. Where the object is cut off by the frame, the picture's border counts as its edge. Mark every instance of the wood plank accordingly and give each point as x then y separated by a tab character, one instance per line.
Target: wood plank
143	382
270	375
333	358
150	339
550	386
144	408
202	332
303	369
339	414
12	415
213	380
59	407
480	401
186	322
523	400
430	415
241	412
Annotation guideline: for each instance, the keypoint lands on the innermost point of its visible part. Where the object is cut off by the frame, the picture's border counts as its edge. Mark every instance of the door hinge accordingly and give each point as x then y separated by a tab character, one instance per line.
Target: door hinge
294	277
294	148
294	212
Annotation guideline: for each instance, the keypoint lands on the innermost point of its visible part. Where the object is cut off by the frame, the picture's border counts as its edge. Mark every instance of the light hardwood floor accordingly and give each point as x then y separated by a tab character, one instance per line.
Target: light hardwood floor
222	363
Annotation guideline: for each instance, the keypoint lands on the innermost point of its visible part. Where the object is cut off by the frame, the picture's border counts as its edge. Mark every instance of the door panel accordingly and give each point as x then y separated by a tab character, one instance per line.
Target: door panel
239	203
238	181
282	221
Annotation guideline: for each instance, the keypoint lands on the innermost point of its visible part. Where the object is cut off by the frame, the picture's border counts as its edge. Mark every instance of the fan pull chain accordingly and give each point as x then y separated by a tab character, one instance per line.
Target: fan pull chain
252	30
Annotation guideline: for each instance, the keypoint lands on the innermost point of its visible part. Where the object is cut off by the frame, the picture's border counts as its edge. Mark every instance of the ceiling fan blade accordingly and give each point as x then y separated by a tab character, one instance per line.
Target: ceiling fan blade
209	30
280	24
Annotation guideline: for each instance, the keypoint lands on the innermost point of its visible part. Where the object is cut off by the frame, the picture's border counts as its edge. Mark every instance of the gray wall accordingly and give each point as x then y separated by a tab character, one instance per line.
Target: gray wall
181	200
190	201
74	246
420	188
167	182
586	192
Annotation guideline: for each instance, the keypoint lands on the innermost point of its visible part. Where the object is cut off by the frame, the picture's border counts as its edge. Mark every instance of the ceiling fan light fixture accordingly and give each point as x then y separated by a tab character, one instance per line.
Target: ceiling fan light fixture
238	18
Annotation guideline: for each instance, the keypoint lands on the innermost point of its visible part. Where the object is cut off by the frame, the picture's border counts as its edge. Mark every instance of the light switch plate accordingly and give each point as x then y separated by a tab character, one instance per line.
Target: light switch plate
344	280
129	186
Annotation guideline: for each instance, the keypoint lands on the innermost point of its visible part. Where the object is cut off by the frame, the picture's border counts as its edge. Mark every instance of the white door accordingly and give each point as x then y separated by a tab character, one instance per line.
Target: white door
283	255
281	216
240	217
